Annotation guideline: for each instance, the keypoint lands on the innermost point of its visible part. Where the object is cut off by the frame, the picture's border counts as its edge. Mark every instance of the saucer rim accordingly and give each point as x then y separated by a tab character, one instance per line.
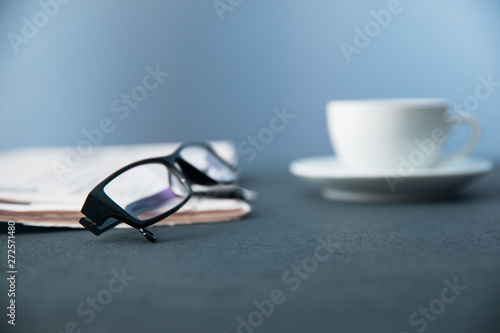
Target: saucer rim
482	165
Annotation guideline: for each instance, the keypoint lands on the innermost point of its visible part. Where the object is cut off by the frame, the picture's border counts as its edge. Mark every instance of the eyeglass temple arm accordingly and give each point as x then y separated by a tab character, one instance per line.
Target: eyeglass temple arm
148	234
99	229
229	191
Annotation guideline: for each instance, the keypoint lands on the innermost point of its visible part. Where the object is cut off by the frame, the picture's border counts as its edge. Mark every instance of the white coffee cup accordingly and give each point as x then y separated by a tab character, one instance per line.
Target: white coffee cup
383	134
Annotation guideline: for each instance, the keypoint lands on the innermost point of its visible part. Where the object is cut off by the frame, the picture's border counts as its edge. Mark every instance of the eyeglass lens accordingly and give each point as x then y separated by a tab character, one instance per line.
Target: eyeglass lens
147	191
208	163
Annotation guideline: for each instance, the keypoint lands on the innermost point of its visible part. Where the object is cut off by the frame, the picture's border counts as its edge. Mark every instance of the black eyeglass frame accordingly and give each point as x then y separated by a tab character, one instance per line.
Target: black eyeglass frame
102	213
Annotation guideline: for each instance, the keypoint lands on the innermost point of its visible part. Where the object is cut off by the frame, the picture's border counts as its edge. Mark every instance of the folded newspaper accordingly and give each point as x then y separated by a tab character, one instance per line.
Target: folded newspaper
47	187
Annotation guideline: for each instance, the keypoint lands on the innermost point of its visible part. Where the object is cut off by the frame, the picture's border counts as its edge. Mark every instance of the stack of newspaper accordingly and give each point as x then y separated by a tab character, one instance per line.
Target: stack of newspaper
47	187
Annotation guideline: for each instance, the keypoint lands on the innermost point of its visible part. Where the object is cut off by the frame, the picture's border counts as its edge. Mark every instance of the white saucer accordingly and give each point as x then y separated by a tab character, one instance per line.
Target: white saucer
342	184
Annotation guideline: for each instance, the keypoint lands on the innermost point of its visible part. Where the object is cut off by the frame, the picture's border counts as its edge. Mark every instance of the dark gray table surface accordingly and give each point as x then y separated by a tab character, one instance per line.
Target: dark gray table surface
387	263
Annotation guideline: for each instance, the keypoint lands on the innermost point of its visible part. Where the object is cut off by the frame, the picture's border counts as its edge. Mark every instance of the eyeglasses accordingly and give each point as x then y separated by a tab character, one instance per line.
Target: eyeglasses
145	192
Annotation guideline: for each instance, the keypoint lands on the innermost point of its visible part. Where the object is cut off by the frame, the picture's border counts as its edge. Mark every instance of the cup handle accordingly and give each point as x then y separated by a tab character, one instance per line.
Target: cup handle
470	145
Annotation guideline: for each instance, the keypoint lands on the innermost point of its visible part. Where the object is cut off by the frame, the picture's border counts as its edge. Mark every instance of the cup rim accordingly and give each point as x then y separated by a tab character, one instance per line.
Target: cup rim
399	103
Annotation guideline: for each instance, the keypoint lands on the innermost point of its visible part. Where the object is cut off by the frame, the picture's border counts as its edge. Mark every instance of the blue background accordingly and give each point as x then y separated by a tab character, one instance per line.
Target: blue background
226	76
